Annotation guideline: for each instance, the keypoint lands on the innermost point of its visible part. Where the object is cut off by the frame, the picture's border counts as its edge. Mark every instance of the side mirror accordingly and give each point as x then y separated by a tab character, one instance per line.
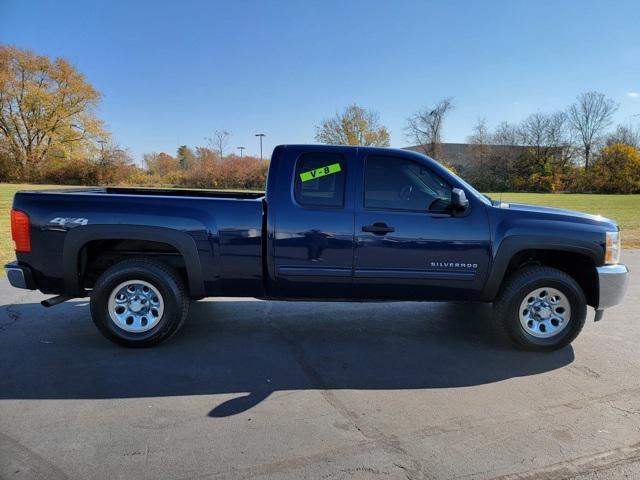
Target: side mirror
459	202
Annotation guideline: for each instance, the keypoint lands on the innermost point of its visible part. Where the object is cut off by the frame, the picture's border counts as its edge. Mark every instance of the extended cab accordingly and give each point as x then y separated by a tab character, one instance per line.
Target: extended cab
336	223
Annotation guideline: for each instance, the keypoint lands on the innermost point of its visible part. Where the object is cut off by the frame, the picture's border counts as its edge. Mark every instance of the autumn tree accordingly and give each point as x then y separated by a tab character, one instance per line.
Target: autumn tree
353	126
203	171
185	157
116	165
424	128
8	172
46	108
161	164
589	117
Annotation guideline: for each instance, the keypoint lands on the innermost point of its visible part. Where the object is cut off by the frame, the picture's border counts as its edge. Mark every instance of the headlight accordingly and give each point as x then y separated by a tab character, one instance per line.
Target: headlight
612	250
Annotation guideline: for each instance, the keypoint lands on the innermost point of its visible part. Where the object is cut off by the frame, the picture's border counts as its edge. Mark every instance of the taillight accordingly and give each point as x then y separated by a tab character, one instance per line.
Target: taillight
20	231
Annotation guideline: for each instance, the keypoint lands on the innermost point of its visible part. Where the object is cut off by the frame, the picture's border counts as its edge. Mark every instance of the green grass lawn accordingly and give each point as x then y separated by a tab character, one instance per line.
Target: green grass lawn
625	209
6	199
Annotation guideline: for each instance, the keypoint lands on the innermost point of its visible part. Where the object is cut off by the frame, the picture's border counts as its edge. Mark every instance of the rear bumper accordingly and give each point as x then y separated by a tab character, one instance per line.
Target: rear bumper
20	276
613	280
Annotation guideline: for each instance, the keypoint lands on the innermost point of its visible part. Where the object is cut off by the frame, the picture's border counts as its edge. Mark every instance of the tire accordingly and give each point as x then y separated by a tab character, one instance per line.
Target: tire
559	303
139	303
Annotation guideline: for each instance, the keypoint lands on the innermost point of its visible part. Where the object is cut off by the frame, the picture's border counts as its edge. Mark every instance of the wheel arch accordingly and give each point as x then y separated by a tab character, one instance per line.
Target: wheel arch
574	257
78	238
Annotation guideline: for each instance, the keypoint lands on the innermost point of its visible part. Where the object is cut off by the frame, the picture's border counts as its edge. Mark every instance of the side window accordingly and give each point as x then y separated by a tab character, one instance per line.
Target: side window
319	180
401	184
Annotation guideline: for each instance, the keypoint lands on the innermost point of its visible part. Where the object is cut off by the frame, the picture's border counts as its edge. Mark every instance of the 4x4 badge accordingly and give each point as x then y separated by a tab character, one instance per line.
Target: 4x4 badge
65	221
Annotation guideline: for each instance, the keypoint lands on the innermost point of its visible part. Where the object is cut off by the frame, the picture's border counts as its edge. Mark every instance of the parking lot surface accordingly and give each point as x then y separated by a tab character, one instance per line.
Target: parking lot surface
254	389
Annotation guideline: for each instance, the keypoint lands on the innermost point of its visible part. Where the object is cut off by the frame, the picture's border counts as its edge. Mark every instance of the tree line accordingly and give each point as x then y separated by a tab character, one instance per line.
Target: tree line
574	150
50	132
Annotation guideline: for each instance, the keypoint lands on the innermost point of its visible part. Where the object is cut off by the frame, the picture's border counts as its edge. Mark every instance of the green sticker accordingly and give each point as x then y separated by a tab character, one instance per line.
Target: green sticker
320	172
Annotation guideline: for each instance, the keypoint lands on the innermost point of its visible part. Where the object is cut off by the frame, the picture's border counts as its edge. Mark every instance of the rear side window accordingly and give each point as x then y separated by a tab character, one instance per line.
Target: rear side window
319	180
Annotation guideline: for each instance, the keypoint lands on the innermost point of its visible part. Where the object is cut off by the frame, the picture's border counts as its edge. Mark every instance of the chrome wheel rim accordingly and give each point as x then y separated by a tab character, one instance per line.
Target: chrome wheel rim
545	312
135	306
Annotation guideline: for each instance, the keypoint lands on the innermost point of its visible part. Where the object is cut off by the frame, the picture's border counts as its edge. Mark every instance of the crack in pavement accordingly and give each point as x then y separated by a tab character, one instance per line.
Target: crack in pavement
11	312
623	410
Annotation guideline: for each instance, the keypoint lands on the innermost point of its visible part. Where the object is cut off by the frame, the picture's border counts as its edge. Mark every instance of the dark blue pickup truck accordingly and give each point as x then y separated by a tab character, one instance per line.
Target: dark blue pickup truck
336	223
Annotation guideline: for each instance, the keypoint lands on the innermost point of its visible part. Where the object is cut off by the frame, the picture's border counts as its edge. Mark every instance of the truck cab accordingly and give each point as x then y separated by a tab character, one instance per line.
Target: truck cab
335	223
379	224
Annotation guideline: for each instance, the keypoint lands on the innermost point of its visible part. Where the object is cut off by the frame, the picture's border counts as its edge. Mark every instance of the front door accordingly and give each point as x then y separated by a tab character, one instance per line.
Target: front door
409	243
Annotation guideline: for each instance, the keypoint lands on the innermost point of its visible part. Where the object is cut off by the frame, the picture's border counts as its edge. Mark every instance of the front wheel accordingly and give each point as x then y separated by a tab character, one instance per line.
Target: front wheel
139	303
541	308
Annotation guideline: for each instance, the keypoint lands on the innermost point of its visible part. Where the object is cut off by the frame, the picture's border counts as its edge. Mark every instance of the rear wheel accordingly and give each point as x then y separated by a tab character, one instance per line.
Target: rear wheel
541	308
139	303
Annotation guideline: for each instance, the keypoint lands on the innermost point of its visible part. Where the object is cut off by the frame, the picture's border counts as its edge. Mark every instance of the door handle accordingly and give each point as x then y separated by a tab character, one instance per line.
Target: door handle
379	228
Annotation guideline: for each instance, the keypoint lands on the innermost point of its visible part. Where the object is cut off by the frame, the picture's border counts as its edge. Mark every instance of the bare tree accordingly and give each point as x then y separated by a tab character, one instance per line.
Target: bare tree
425	127
480	139
588	117
504	155
560	139
219	141
506	134
546	135
625	134
354	126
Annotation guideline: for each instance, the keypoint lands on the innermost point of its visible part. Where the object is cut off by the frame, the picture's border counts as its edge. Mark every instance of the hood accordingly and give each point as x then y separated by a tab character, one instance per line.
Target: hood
567	215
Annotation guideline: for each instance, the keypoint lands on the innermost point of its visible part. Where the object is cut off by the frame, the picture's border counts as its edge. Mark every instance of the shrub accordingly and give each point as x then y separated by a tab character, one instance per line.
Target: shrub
616	170
71	171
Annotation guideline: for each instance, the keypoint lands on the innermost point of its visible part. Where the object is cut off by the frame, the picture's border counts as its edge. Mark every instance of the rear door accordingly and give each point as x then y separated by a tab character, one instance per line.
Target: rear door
313	240
409	244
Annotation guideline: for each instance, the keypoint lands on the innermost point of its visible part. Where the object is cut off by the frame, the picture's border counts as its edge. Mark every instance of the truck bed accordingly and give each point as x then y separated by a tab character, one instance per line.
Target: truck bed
222	231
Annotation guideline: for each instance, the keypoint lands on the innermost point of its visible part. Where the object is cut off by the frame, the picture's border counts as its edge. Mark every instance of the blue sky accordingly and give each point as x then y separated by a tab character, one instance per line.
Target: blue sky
173	72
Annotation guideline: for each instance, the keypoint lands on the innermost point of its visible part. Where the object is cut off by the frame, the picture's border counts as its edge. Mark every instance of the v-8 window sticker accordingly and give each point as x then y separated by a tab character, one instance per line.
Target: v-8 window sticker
320	172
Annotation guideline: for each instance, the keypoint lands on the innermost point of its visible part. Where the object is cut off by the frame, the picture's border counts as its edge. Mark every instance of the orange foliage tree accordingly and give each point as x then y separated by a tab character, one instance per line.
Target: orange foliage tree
47	110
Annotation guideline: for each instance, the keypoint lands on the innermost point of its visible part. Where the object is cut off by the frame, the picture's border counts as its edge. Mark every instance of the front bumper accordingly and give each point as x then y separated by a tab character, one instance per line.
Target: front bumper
613	280
20	276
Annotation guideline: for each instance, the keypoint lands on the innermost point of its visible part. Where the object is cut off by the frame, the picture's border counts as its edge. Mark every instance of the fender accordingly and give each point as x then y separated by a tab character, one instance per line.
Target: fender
512	245
80	236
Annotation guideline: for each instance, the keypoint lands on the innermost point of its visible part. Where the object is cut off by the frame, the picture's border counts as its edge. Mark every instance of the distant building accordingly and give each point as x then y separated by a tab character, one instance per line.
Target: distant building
463	156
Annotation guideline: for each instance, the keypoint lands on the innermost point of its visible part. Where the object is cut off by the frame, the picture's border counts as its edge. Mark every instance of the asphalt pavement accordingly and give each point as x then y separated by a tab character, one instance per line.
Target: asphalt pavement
254	389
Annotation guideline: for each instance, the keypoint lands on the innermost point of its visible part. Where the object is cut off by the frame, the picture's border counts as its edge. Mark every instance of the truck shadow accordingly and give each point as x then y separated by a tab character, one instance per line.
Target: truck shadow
251	349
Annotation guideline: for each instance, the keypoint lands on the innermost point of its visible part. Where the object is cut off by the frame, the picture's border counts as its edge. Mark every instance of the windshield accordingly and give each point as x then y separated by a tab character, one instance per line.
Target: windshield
475	192
430	182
